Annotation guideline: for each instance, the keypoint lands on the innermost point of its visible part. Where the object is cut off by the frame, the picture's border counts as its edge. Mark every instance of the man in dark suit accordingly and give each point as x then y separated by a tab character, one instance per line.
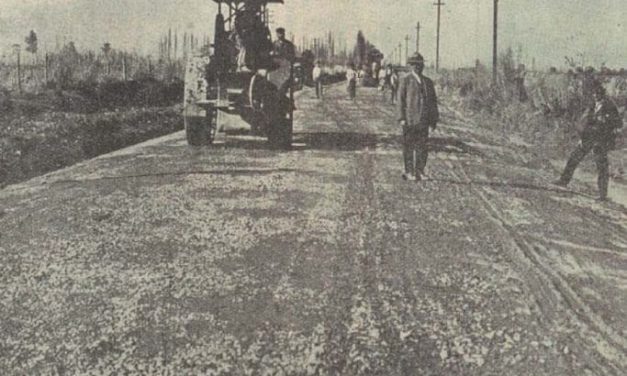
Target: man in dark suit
601	128
417	112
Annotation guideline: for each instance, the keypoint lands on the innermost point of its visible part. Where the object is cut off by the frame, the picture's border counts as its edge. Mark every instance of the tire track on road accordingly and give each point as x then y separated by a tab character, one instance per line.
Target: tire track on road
361	337
526	256
554	295
347	345
549	284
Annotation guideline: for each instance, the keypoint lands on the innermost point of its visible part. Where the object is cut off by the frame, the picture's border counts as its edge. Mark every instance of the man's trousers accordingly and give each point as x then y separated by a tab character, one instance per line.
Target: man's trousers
352	89
415	150
318	84
600	150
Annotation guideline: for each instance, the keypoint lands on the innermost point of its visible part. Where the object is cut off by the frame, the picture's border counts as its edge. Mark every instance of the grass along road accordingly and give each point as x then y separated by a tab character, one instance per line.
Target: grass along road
321	260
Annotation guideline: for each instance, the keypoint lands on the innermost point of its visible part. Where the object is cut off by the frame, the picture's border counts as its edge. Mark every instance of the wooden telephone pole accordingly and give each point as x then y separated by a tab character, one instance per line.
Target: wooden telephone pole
437	43
494	44
418	37
406	46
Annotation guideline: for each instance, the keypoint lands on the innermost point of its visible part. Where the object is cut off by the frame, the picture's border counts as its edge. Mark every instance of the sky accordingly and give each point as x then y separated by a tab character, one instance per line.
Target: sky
592	32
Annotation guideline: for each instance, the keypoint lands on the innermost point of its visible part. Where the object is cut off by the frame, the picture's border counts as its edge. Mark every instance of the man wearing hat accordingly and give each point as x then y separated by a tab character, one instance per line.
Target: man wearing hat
602	124
283	47
417	112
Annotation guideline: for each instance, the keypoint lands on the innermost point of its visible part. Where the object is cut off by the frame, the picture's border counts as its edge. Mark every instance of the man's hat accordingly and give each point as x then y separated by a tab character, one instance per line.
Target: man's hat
415	59
280	30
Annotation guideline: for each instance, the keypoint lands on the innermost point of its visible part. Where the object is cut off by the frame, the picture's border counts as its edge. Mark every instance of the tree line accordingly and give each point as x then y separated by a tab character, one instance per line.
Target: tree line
27	69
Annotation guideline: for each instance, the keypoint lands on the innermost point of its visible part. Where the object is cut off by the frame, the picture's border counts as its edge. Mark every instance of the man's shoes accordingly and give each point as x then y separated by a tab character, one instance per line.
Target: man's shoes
601	199
560	183
409	177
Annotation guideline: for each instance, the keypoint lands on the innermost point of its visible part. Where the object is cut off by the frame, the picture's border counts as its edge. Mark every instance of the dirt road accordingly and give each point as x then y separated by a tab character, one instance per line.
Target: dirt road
239	260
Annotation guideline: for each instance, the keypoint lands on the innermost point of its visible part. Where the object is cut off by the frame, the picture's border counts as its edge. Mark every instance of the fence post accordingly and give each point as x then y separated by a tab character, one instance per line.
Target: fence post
124	66
19	70
46	70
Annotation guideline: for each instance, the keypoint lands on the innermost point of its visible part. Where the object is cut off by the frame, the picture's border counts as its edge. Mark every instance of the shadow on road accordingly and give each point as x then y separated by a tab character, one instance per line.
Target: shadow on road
342	141
352	141
229	172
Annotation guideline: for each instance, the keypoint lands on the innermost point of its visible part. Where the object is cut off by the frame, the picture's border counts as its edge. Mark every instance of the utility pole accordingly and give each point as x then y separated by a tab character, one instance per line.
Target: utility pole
406	46
124	68
494	44
418	37
396	58
46	70
400	54
437	43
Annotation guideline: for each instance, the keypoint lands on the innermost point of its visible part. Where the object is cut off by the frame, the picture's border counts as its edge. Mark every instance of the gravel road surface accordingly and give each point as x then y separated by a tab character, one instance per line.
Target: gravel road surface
237	259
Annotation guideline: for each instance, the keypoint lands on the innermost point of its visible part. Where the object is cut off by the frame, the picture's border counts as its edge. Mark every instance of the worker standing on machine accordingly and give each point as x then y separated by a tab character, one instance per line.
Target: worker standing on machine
283	48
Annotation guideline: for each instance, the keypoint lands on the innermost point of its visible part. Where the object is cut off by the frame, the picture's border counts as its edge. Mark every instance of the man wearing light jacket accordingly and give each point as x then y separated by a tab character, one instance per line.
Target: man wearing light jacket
317	79
417	113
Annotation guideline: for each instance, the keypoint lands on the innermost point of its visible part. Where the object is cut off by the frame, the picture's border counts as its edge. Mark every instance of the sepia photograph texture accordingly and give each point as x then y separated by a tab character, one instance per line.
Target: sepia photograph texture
313	187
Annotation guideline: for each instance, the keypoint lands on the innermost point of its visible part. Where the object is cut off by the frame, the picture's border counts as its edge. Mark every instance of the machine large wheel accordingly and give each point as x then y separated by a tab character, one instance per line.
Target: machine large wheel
257	90
201	130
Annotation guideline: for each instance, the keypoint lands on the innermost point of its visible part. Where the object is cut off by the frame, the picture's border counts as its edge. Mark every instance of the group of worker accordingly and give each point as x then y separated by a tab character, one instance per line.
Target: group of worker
417	110
352	76
417	115
253	45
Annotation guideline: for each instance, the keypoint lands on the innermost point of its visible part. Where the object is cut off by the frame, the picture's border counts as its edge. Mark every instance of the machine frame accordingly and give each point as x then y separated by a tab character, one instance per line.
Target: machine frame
217	93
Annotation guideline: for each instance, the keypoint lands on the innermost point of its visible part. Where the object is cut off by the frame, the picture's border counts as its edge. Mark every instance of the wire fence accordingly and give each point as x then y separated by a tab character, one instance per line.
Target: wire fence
65	70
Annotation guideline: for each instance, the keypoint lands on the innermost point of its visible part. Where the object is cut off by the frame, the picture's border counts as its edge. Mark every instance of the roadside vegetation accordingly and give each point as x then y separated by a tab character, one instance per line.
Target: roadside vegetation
535	109
50	130
62	107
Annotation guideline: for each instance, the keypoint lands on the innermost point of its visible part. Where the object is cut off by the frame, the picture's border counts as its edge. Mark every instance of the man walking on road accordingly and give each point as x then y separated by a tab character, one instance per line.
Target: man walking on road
317	79
393	85
417	112
602	125
351	78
